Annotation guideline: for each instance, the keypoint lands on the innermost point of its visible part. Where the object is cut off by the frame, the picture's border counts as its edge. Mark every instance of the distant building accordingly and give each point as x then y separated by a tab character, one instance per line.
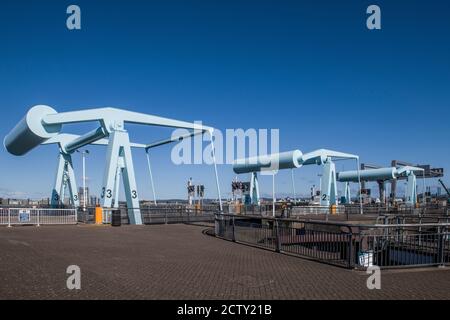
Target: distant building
44	202
15	202
81	197
93	200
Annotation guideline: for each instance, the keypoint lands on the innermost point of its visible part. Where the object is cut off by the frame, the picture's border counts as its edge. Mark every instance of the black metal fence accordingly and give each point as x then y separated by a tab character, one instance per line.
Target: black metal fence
381	209
316	240
177	214
154	215
403	242
346	245
409	250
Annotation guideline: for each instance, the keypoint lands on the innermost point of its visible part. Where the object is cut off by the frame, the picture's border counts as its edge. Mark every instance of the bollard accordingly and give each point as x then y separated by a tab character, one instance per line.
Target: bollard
333	209
98	215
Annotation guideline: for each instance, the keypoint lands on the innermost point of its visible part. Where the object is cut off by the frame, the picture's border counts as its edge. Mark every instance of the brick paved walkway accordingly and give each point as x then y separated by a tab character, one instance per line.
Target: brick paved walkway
180	262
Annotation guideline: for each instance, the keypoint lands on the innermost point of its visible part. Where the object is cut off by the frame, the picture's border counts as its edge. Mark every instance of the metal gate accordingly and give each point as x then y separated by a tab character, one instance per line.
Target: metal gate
37	216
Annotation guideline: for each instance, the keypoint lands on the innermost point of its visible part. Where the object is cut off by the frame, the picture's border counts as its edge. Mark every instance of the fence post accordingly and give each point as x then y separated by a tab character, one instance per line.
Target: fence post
9	217
350	250
277	237
165	216
219	225
38	212
234	235
441	246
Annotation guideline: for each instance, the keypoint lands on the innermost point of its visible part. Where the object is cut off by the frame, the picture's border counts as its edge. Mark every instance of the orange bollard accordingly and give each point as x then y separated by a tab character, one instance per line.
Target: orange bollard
333	209
98	215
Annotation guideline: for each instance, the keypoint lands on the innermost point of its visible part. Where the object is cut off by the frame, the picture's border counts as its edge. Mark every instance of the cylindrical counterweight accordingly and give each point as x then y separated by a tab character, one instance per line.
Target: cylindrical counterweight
31	131
367	175
283	160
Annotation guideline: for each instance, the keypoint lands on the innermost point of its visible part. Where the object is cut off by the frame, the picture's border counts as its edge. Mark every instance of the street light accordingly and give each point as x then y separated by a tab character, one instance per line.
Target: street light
320	183
83	155
293	184
273	193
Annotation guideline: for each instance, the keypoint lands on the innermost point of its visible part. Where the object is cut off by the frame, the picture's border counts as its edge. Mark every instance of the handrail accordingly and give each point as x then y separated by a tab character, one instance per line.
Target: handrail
342	224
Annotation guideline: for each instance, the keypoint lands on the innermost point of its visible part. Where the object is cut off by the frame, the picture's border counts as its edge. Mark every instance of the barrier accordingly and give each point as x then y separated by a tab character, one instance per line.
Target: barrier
106	214
343	244
320	241
37	216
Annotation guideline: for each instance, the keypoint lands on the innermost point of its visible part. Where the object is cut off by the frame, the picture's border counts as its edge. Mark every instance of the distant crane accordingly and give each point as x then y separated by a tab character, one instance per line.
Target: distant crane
446	190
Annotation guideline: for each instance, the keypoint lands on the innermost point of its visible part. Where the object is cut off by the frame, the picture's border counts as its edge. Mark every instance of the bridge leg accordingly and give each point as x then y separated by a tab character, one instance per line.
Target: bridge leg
328	194
117	183
254	189
56	198
72	183
381	188
65	176
119	147
348	198
411	189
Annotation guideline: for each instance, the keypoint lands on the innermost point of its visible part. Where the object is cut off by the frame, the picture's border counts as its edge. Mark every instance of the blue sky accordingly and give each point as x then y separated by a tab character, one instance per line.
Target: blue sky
310	68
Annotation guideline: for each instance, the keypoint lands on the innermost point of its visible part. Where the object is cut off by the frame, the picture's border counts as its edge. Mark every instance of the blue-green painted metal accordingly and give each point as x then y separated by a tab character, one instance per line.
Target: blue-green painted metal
86	139
367	175
296	159
42	125
31	131
271	162
383	174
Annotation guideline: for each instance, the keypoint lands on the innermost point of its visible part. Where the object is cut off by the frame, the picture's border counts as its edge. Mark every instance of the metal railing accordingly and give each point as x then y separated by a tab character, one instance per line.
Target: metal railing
408	250
412	218
342	244
281	210
315	210
106	215
37	216
315	240
161	214
179	214
381	209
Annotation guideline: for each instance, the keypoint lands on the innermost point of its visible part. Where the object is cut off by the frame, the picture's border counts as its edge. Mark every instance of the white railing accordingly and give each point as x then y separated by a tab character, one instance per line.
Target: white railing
309	210
37	216
106	215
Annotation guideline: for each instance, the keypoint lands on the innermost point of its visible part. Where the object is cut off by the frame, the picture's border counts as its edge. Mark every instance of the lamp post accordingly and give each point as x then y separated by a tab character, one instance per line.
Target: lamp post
273	194
320	184
83	155
293	184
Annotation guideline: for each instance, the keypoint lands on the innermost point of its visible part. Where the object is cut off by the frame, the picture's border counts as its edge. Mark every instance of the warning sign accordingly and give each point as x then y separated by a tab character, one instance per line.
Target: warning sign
24	215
